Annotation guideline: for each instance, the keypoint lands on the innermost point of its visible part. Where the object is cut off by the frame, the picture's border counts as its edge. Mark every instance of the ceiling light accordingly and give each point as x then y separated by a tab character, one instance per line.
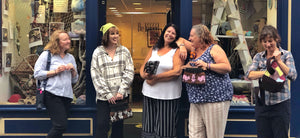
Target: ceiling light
195	1
112	8
138	8
137	3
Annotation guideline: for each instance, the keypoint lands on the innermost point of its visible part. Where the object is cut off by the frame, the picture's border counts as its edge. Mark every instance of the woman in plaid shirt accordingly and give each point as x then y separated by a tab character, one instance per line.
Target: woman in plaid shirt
273	113
112	74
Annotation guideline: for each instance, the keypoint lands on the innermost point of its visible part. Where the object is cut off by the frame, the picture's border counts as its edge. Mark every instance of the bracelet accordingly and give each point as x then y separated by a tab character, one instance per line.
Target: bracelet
208	65
55	71
181	44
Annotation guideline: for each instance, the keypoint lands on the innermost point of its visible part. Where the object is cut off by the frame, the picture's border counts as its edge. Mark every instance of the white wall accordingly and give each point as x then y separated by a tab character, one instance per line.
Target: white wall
272	15
9	23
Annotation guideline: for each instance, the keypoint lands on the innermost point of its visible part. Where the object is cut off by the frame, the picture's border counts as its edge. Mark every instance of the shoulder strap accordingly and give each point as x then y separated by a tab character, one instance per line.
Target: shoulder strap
269	65
48	60
47	68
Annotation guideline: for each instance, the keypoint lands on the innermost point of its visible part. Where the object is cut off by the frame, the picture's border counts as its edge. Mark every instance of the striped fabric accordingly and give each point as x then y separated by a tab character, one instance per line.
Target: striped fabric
159	118
208	120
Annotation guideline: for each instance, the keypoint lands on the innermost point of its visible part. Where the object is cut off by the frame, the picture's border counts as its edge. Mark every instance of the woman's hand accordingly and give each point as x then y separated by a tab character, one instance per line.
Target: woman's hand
277	55
119	96
183	51
201	64
112	100
182	48
70	67
188	65
148	76
151	82
60	68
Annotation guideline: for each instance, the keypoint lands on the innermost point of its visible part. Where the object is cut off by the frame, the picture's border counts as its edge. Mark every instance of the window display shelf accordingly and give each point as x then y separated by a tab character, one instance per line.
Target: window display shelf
229	36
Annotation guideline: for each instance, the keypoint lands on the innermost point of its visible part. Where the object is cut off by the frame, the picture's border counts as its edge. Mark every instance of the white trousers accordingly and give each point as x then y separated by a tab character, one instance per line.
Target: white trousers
208	120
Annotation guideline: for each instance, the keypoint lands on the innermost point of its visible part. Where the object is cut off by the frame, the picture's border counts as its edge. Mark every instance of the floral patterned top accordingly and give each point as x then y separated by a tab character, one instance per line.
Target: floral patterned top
217	87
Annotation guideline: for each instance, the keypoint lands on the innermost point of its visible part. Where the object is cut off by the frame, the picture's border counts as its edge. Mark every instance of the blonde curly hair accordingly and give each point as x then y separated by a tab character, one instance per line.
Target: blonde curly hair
53	44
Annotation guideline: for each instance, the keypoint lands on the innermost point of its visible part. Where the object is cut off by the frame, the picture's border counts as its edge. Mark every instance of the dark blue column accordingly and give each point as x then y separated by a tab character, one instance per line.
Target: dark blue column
95	16
182	16
295	89
282	21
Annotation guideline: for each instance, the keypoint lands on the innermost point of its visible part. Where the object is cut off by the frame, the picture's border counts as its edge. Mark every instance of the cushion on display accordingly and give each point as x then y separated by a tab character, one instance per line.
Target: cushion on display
14	98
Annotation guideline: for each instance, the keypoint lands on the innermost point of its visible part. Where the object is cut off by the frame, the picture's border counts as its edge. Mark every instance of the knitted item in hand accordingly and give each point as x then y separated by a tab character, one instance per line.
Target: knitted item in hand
273	79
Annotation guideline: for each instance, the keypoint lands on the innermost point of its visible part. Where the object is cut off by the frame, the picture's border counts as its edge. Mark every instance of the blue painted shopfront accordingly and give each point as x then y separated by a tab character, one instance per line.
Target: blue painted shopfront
25	121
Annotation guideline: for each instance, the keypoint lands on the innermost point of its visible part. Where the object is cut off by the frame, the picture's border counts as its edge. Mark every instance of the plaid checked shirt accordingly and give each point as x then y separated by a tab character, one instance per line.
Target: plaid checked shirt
260	64
111	76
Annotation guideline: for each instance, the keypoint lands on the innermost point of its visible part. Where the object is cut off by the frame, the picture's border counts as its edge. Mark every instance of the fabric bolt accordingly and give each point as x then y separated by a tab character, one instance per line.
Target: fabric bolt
111	76
173	86
217	87
208	117
159	118
59	84
260	64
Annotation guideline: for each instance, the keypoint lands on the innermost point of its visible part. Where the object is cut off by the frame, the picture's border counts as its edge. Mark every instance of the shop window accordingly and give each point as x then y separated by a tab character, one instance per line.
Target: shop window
140	24
26	27
253	15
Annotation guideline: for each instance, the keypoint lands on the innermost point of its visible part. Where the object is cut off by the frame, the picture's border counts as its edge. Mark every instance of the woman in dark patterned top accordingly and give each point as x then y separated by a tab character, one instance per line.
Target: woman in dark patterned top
273	113
209	102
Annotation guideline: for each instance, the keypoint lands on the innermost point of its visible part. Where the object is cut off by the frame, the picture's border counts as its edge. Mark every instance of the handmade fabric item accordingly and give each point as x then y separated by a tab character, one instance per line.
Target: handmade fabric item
41	89
273	80
77	5
193	76
14	98
120	110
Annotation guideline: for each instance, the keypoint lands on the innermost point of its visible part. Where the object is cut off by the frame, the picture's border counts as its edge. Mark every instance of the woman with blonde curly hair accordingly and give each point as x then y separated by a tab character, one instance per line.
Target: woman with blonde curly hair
60	76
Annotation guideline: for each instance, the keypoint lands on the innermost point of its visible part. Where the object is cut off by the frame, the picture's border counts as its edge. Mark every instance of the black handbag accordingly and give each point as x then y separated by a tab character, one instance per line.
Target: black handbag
41	90
120	111
151	67
273	80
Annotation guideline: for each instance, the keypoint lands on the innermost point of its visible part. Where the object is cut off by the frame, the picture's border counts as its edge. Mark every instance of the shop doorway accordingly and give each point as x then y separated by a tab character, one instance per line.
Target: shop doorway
140	24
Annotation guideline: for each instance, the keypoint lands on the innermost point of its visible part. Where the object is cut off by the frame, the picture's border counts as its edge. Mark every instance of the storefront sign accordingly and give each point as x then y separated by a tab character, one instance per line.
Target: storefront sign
147	26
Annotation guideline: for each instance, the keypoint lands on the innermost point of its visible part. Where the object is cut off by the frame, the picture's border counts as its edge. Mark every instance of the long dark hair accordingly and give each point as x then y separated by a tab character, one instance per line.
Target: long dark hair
160	43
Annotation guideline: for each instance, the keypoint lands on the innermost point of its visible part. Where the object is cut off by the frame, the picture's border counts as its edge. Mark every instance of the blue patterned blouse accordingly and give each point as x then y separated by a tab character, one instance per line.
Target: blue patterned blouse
218	87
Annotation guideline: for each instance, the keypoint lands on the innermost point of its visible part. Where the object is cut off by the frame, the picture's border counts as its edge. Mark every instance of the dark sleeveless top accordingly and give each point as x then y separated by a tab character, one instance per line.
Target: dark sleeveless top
217	88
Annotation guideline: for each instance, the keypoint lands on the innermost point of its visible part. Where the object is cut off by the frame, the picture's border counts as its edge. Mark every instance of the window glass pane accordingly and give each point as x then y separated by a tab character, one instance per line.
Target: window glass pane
253	15
140	24
27	25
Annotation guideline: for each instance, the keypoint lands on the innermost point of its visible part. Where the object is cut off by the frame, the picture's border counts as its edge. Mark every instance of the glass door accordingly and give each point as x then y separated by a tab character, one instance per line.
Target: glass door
140	25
